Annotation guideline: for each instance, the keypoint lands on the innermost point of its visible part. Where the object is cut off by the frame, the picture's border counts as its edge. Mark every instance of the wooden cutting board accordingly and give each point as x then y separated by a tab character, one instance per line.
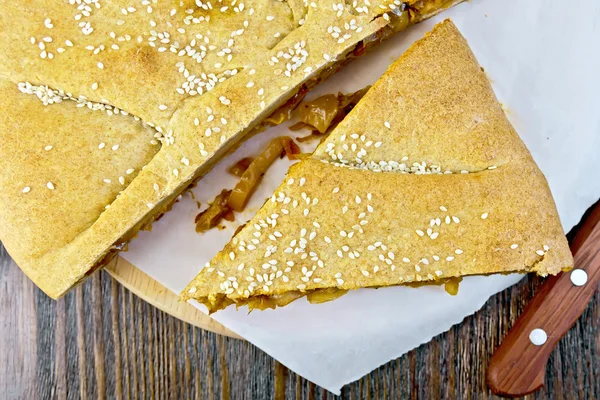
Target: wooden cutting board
162	298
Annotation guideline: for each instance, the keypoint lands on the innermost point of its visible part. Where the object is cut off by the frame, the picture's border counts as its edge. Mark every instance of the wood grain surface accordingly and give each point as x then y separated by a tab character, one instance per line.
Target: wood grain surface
102	341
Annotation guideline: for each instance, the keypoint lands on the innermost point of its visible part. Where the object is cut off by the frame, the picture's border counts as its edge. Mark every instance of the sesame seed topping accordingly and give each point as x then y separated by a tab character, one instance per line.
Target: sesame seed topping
26	189
514	246
484	215
50	185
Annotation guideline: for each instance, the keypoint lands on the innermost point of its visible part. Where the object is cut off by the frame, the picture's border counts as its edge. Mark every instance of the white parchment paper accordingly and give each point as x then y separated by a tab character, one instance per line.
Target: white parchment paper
544	62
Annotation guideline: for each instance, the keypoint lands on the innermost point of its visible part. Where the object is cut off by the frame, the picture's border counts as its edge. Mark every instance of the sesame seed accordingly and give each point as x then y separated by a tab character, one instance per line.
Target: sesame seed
420	232
484	215
540	252
162	107
449	258
50	185
458	251
26	189
514	246
455	219
100	65
48	148
387	124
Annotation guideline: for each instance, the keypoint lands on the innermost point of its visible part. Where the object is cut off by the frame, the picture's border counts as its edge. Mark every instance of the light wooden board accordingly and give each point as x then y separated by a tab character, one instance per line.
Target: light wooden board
162	298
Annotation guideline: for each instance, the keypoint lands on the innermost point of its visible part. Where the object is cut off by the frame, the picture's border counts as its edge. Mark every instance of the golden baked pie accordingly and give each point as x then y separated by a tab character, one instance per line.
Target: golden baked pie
112	108
423	181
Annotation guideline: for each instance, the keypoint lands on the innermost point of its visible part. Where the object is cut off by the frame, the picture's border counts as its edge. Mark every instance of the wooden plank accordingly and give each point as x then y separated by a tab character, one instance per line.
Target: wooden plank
18	332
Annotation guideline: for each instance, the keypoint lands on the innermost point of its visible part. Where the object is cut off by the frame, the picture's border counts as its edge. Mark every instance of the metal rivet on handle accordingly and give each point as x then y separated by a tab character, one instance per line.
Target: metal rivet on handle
538	336
579	277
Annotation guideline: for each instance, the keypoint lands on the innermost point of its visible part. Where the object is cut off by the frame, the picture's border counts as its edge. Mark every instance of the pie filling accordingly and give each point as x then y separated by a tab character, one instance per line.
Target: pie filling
317	296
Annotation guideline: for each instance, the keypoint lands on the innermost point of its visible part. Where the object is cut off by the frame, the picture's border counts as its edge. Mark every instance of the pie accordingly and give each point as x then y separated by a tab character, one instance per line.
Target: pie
113	108
423	181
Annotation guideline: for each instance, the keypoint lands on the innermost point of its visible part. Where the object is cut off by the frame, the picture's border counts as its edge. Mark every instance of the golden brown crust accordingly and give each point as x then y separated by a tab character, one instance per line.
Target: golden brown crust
375	219
157	63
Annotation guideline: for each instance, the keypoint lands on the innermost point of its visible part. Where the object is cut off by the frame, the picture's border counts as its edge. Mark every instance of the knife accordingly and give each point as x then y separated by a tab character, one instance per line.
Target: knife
518	365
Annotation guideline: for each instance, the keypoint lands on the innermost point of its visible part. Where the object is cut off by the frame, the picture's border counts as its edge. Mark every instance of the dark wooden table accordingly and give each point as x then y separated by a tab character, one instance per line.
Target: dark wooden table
101	341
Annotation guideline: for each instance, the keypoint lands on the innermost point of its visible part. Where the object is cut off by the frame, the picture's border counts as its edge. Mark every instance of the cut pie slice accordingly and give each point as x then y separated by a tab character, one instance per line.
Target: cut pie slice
423	181
113	109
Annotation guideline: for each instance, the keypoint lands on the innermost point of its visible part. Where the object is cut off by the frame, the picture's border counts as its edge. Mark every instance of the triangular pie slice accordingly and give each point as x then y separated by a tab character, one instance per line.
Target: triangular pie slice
424	180
113	109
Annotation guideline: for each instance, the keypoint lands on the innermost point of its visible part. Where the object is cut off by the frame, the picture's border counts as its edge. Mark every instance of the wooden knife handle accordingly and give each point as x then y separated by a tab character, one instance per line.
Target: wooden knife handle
518	366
